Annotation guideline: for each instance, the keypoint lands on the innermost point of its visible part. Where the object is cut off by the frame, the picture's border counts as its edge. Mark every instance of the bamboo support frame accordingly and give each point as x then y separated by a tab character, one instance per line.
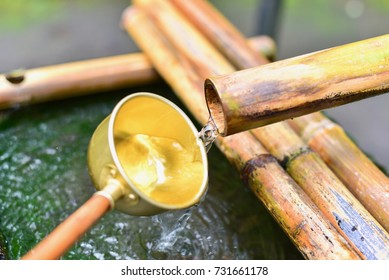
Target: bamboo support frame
277	190
362	177
339	206
89	76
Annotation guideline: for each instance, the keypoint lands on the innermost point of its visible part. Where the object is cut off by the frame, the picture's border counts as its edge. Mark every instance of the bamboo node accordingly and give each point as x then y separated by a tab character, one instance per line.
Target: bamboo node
288	159
260	161
314	128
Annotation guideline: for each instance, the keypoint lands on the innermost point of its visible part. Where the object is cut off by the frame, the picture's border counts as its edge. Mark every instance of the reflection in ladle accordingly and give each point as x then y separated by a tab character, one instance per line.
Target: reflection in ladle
161	167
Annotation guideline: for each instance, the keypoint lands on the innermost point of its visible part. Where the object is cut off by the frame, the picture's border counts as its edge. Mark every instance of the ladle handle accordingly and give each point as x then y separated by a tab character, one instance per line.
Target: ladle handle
69	231
296	86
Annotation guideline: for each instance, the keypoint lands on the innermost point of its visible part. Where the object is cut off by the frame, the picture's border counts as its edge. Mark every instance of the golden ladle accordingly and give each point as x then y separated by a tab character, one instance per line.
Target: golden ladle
144	159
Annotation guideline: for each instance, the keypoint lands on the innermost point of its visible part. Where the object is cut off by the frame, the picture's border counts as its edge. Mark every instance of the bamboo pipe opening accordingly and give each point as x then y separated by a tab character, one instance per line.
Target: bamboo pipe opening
215	107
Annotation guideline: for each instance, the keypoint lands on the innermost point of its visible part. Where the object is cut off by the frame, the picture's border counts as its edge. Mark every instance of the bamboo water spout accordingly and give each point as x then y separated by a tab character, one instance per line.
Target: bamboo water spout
297	86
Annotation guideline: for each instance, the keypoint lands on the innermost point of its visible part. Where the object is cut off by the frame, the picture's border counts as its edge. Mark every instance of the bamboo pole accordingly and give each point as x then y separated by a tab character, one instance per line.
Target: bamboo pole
89	76
349	163
293	210
297	86
175	29
356	171
342	209
74	78
201	14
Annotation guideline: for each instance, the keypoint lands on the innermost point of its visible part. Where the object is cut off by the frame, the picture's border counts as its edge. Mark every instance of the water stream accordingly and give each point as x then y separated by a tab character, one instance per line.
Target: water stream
208	133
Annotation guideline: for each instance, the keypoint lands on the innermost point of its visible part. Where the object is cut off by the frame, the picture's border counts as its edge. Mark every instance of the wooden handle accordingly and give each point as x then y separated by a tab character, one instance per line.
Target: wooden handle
297	86
69	231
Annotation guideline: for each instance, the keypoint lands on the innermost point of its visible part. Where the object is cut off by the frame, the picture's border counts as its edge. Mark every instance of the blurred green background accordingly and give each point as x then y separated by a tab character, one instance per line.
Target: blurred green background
43	174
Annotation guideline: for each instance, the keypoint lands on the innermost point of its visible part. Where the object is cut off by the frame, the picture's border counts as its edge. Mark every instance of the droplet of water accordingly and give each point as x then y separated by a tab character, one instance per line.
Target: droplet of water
208	133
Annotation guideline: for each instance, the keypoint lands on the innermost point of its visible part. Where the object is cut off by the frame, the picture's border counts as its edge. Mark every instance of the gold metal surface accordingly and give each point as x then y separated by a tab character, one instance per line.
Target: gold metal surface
151	148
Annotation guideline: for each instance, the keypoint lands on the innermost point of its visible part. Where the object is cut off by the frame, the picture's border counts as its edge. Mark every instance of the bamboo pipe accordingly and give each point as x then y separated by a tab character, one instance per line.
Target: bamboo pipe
69	231
166	21
293	210
361	176
74	79
369	185
88	76
297	86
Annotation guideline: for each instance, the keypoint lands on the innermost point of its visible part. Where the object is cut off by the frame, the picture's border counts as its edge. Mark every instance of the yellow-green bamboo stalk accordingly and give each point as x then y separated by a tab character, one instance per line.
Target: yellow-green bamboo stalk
297	86
312	234
208	21
74	79
173	27
363	178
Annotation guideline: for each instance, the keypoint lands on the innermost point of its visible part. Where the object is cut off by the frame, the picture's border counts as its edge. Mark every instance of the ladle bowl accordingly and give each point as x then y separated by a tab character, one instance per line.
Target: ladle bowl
131	136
